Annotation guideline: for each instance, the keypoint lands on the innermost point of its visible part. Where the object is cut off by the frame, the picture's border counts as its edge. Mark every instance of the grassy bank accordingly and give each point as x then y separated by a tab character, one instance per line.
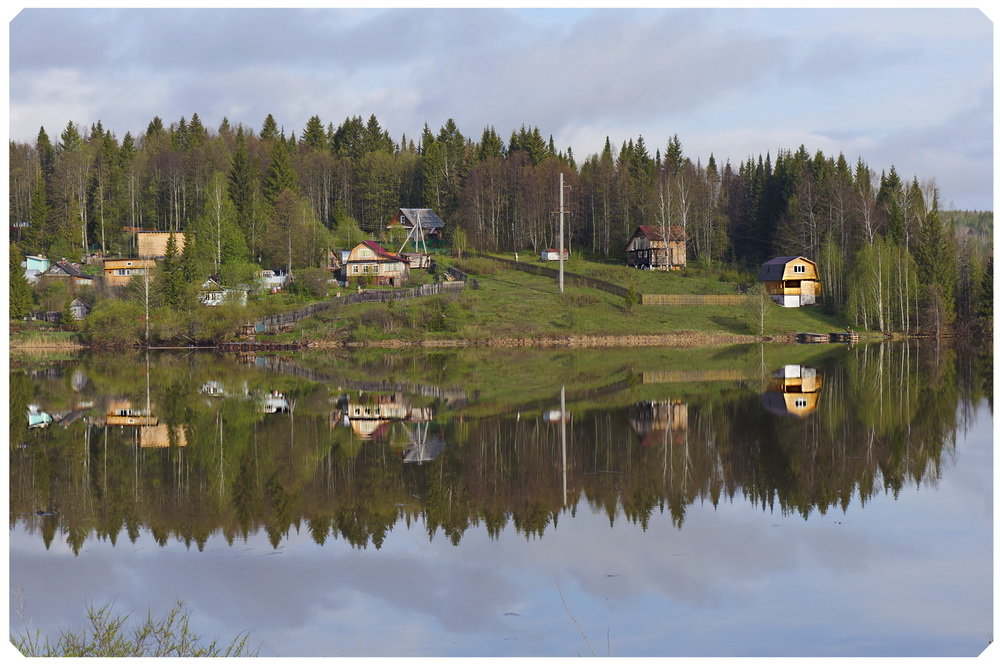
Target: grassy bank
511	306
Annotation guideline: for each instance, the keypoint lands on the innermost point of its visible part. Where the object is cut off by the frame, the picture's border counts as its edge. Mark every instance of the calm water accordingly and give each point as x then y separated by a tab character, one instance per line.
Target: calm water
785	501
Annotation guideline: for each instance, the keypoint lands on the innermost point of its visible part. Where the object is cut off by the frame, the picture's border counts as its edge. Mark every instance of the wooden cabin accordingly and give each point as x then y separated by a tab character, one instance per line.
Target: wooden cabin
648	249
659	423
430	223
793	391
791	281
369	260
119	272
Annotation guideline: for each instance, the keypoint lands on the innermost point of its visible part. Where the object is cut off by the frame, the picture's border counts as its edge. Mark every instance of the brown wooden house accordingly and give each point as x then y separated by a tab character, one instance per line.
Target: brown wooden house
791	281
369	260
648	249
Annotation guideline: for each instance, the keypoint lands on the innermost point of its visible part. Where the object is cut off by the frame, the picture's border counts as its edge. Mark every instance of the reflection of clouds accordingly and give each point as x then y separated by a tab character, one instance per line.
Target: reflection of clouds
893	577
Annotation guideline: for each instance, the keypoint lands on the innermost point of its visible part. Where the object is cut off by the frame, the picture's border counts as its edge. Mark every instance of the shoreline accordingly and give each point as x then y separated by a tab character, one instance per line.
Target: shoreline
673	340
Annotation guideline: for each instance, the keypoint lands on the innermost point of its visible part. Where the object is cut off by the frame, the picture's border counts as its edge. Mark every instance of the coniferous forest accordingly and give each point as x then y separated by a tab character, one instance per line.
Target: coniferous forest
890	257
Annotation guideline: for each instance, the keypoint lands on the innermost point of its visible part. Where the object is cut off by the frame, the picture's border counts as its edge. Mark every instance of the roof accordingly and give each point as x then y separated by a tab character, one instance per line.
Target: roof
428	218
774	269
71	269
380	251
653	232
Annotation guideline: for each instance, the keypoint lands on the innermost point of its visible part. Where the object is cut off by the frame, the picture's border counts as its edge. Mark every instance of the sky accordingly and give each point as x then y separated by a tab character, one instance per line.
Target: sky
910	88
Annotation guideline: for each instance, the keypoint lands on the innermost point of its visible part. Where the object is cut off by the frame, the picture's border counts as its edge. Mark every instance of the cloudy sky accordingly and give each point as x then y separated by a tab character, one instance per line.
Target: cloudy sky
911	88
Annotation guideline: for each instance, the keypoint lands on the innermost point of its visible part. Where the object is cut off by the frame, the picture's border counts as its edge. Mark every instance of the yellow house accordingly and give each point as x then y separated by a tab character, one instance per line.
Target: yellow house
370	260
791	281
119	272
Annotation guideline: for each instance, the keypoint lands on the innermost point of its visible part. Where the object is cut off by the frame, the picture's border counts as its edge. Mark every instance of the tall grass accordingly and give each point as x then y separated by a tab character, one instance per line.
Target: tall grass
106	635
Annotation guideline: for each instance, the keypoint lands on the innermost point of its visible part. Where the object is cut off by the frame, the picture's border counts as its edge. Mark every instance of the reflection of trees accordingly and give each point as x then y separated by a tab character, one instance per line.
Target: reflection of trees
886	417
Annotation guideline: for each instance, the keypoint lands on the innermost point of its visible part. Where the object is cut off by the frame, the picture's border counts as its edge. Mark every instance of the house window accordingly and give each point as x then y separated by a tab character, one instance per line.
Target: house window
355	268
798	268
800	403
364	269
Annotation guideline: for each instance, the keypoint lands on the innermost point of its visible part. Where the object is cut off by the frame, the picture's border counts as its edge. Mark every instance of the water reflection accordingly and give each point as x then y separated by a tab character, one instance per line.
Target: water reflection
349	447
793	391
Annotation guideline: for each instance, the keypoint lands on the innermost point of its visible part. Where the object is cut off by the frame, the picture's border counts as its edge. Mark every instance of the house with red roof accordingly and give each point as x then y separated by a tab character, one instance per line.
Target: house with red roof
370	263
649	249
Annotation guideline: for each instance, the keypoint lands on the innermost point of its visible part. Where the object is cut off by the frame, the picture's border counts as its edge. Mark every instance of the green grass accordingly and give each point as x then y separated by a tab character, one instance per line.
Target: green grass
515	304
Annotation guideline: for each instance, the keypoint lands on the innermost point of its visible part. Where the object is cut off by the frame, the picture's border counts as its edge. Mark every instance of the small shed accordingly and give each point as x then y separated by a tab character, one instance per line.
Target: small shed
34	266
79	309
655	248
791	281
213	294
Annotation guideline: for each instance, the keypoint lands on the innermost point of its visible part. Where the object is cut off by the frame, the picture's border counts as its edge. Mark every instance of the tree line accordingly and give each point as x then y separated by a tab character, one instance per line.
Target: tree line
890	258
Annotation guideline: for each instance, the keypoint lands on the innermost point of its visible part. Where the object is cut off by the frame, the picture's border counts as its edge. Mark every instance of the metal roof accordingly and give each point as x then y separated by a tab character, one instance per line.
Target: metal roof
428	218
774	269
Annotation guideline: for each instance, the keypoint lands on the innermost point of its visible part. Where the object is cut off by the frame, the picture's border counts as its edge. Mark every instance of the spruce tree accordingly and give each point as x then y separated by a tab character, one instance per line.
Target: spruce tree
20	290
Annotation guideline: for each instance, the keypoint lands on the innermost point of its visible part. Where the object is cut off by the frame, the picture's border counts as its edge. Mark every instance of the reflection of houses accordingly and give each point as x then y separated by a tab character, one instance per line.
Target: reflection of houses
791	281
423	446
372	415
152	433
659	423
37	417
274	402
650	250
793	390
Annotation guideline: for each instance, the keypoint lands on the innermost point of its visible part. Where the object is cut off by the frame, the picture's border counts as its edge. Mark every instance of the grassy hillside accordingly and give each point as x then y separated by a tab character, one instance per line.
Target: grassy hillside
514	304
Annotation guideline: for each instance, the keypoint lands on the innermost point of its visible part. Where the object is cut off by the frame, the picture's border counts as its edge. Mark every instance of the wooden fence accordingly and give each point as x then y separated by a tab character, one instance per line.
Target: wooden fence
691	299
277	321
569	278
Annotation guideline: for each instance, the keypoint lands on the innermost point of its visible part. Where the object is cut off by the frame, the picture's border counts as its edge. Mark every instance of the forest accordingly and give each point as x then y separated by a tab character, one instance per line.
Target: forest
890	258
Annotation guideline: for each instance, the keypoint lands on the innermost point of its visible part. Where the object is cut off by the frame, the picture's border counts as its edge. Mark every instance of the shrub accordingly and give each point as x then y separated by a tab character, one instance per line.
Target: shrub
114	324
105	636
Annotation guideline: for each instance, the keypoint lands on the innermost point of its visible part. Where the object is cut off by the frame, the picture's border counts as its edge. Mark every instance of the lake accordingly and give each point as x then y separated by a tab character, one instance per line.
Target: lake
780	500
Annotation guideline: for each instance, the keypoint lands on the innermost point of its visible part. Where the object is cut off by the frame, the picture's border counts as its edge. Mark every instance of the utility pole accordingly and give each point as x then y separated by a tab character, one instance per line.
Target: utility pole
562	212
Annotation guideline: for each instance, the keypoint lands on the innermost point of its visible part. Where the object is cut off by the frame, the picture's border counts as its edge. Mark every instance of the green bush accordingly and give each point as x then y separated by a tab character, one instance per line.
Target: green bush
115	324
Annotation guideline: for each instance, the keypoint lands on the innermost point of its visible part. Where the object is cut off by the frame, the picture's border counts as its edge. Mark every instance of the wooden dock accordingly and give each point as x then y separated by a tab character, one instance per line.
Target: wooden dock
251	347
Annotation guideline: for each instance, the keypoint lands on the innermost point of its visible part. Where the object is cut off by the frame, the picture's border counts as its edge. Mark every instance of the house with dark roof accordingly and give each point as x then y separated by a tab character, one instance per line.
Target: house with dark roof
649	249
63	269
791	281
369	261
428	221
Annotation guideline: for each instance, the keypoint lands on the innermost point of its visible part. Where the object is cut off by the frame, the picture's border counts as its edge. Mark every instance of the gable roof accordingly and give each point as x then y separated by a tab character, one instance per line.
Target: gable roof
653	233
774	269
428	218
380	251
71	269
